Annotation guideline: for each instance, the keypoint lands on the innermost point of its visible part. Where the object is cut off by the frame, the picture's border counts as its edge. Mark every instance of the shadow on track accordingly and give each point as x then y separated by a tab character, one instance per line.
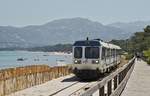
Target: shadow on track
71	79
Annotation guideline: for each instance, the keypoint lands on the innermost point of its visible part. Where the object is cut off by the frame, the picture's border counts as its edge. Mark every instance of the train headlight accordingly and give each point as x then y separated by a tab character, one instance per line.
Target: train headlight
77	61
95	61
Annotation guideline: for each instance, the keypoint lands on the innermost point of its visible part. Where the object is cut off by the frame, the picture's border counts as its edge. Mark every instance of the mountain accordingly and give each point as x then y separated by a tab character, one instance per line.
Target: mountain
61	31
131	27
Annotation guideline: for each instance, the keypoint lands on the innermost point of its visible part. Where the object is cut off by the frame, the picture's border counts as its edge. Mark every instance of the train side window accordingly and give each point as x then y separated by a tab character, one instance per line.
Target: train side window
113	52
116	52
108	53
119	52
103	52
78	52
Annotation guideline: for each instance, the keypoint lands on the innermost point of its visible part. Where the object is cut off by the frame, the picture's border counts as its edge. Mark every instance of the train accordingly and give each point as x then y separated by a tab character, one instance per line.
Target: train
92	58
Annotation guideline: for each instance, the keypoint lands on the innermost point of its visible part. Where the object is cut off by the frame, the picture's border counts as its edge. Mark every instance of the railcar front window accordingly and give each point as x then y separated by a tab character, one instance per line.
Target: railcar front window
78	52
92	52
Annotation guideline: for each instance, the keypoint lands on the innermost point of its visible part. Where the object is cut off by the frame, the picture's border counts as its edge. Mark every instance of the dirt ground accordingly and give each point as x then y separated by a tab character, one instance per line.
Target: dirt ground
123	61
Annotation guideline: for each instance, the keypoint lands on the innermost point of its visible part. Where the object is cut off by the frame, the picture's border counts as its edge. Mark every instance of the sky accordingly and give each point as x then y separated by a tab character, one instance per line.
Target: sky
37	12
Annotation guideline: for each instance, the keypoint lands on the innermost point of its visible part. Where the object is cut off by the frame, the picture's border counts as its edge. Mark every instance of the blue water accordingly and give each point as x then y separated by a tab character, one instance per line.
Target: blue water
9	58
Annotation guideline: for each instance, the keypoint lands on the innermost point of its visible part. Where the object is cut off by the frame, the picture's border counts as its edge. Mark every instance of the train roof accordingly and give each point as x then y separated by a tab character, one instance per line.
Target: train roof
87	43
95	43
108	45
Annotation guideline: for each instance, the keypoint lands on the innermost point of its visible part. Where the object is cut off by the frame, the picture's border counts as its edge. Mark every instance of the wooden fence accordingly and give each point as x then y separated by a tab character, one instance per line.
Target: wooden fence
113	84
14	79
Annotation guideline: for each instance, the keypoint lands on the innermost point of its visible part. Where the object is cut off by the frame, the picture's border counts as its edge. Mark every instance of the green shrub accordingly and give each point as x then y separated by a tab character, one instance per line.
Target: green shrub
148	60
128	56
147	53
147	56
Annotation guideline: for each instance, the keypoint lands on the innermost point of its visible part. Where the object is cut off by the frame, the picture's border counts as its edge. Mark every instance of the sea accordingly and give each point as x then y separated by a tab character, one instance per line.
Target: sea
11	59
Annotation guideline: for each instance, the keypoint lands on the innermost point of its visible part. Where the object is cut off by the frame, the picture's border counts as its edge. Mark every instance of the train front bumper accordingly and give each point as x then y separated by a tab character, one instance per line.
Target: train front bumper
85	67
86	71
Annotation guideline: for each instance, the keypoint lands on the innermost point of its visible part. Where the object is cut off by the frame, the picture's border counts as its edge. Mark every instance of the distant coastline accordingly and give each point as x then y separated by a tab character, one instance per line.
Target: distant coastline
47	53
66	48
59	53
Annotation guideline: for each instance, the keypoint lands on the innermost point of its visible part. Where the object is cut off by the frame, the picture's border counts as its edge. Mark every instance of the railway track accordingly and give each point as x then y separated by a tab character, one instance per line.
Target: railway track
63	89
86	87
76	88
73	89
83	89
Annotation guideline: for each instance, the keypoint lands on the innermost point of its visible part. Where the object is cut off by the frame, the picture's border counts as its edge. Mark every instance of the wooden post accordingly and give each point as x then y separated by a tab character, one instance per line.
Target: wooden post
109	87
101	91
4	87
115	82
120	77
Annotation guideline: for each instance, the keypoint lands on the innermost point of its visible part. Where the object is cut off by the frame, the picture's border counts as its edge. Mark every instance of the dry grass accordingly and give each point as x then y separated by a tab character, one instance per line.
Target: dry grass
123	61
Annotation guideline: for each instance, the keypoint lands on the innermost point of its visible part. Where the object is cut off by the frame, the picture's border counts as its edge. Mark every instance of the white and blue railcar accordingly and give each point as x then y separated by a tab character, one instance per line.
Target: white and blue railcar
92	58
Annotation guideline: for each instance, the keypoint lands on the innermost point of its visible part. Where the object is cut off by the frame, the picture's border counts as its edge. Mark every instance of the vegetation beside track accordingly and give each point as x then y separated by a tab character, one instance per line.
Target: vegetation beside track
138	43
147	55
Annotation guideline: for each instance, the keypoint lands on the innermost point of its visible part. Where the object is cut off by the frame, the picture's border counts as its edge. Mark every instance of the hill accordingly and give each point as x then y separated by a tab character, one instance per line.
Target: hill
60	31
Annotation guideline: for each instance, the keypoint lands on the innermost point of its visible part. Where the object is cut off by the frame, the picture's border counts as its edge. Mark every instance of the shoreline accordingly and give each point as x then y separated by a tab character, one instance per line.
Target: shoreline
49	53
